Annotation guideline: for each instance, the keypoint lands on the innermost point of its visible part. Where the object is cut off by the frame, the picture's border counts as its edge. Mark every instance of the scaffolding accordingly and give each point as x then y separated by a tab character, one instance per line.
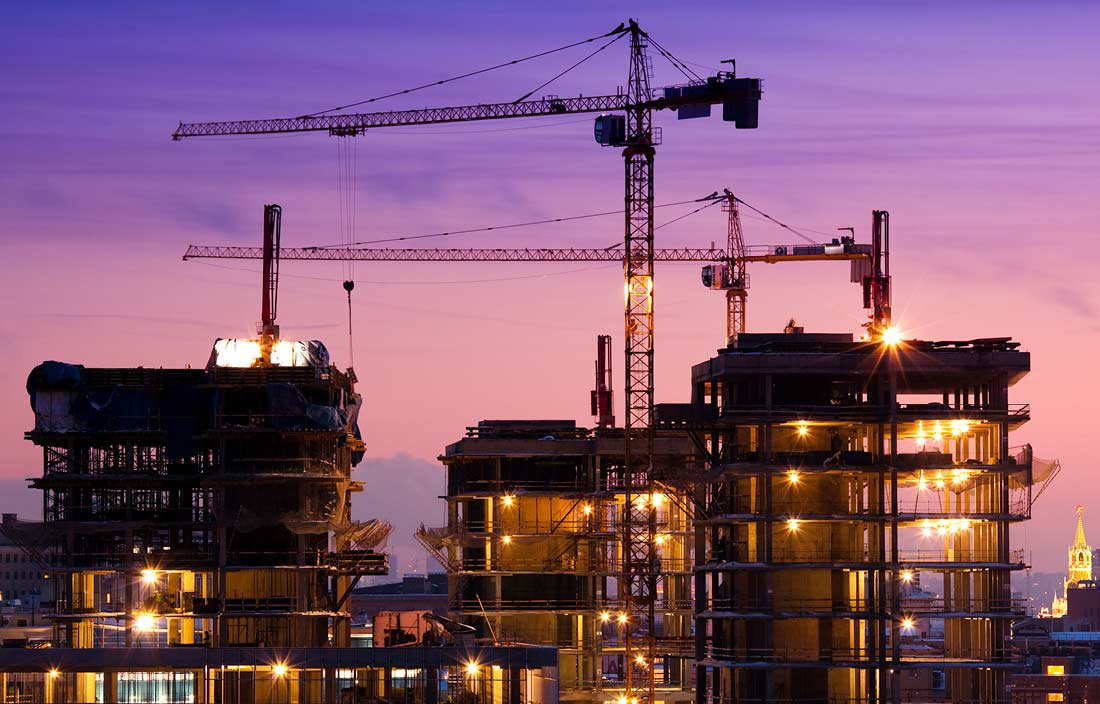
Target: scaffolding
533	547
840	474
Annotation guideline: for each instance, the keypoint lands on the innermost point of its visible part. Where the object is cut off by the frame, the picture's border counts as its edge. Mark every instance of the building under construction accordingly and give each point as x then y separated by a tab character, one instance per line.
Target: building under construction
534	547
841	471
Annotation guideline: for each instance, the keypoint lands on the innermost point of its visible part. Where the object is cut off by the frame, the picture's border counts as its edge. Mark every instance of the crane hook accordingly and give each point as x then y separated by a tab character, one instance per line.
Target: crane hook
349	285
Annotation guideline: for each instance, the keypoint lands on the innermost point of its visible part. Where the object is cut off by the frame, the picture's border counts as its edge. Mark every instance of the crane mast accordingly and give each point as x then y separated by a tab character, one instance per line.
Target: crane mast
737	293
639	527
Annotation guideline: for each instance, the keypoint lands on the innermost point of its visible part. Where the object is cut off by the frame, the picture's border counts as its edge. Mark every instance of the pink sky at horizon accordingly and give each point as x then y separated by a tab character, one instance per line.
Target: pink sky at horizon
979	131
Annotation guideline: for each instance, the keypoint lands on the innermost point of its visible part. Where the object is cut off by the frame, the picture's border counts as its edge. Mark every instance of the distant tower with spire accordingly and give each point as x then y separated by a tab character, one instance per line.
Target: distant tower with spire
1080	565
1080	554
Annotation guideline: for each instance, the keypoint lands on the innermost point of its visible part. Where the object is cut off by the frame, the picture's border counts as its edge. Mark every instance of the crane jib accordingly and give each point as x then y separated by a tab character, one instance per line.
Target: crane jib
735	92
682	254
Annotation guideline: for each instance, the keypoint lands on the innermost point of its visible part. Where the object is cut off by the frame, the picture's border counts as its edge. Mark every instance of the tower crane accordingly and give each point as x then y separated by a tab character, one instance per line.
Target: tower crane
724	270
635	134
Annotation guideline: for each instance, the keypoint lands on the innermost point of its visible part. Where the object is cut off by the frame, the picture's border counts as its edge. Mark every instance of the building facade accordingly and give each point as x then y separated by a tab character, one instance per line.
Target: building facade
840	470
24	584
533	546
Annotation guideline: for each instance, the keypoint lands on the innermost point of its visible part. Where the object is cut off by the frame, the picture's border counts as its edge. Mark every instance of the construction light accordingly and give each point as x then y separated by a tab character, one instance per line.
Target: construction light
660	538
960	427
640	660
907	624
508	500
149	576
803	430
54	672
279	669
793	476
622	700
945	526
891	336
586	509
605	616
623	618
507	539
907	576
793	524
471	668
144	622
657	499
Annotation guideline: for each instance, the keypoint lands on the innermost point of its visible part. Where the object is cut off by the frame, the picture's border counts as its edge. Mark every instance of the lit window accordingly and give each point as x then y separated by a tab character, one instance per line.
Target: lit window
1056	697
1056	669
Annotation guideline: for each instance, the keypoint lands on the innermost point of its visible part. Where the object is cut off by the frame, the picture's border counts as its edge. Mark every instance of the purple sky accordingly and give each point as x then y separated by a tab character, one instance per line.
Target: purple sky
976	124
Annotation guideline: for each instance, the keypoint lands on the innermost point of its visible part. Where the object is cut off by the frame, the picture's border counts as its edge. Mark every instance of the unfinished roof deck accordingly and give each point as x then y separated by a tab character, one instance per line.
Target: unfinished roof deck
927	367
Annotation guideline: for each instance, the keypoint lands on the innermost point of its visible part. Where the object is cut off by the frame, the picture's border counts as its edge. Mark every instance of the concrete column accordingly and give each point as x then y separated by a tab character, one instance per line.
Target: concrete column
513	684
110	688
431	686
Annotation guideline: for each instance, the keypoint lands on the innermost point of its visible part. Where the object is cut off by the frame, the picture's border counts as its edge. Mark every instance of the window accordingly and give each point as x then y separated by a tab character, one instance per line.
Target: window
1056	670
1056	697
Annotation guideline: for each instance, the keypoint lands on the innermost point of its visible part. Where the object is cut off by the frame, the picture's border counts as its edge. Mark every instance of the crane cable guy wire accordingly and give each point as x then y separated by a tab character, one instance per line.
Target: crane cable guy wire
619	31
708	202
492	228
542	85
777	222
